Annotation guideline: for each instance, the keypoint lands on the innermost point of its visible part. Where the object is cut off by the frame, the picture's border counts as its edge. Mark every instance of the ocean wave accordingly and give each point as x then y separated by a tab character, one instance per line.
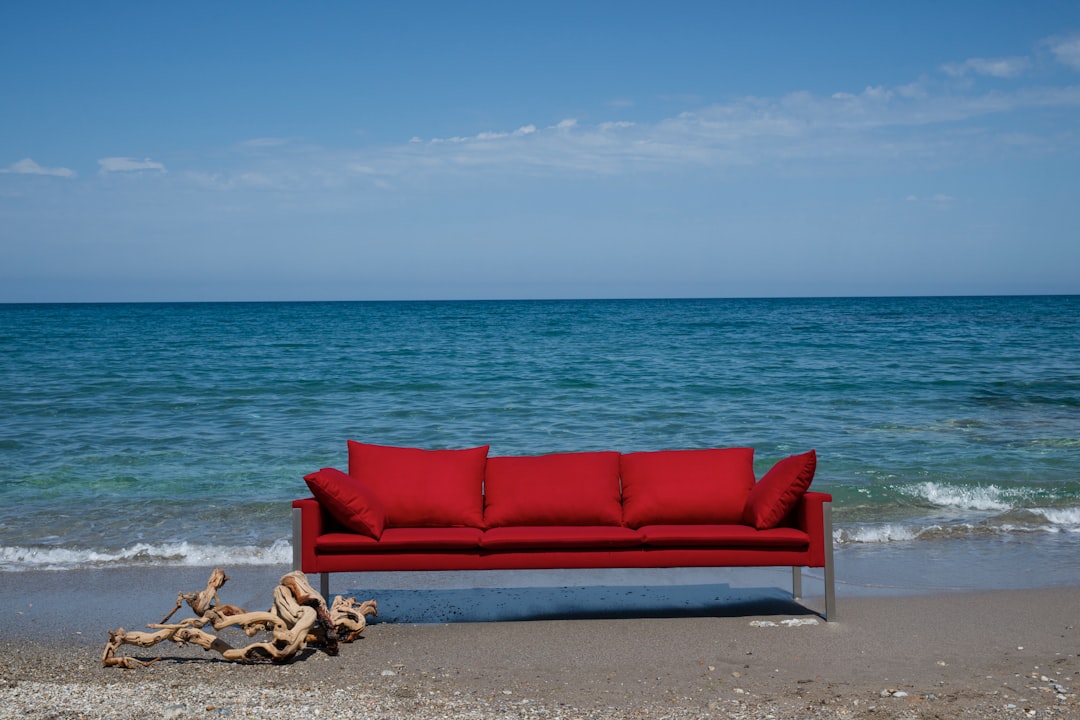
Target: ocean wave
880	533
898	533
16	558
1069	516
989	498
1038	521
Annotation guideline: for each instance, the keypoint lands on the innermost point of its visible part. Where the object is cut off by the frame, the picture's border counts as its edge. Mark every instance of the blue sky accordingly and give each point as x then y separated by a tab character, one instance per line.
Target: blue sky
280	151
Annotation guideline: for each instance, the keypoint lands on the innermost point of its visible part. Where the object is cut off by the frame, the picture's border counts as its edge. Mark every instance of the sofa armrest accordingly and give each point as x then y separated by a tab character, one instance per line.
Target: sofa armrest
809	516
307	526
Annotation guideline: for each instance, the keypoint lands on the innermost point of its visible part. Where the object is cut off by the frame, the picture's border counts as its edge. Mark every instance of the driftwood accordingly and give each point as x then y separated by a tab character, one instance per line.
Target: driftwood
299	617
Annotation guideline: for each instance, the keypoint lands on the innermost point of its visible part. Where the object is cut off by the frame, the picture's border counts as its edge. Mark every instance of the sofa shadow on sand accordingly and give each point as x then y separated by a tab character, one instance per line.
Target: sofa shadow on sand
578	603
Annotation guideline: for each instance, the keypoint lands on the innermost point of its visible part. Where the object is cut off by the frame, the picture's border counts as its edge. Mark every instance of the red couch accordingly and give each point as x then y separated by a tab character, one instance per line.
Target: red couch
411	509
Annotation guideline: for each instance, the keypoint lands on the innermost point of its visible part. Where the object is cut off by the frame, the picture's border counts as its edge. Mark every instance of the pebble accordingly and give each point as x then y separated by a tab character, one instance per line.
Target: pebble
35	690
793	622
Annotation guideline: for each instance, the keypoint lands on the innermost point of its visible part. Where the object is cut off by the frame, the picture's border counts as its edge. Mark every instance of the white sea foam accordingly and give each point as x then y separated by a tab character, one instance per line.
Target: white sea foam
992	498
1064	518
883	533
1029	521
176	554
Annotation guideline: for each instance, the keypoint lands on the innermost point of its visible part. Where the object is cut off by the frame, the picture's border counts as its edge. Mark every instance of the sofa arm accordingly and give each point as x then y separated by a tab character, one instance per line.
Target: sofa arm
307	526
809	516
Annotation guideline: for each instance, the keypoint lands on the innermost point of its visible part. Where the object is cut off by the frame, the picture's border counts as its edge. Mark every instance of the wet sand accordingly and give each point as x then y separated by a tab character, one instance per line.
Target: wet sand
616	650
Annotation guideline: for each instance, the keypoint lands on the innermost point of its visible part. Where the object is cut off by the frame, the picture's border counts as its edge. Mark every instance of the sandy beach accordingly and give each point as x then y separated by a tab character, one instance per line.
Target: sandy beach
1012	653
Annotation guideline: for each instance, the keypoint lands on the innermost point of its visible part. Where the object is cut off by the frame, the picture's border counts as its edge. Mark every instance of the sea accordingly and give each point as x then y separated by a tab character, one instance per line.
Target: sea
177	434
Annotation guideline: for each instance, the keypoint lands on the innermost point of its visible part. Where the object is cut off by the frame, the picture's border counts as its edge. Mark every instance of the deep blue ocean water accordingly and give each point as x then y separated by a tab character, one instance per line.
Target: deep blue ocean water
179	433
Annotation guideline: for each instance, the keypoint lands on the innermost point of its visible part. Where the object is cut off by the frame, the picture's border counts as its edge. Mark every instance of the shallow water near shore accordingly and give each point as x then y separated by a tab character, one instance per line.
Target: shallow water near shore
176	434
38	603
862	572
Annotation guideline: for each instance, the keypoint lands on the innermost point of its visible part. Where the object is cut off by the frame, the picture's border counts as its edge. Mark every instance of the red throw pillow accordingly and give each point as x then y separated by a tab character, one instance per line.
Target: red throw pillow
423	488
352	503
779	491
561	489
686	487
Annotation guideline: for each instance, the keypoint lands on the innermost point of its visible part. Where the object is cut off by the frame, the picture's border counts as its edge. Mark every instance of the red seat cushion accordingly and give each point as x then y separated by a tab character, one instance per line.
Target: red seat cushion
553	537
423	488
779	491
402	540
560	489
722	536
686	486
351	502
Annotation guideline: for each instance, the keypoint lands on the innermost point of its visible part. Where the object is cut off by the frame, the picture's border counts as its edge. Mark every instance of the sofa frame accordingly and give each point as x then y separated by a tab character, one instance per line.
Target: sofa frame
813	514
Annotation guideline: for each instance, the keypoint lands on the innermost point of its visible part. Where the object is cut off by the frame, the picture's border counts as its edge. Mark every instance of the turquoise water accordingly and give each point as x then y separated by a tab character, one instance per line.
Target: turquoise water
178	433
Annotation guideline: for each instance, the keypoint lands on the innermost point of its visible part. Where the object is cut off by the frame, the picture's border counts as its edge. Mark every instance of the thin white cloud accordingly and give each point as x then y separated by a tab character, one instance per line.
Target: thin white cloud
481	136
1007	67
616	125
1066	49
126	164
875	123
879	123
456	139
236	181
928	120
26	166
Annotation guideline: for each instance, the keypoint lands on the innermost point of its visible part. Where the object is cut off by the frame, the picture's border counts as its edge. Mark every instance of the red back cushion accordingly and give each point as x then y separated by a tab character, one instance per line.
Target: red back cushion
351	502
686	487
560	489
423	488
779	491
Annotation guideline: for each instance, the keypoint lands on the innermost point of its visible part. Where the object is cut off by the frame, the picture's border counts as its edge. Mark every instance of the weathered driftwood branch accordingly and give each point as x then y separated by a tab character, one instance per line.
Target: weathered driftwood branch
348	615
298	618
200	602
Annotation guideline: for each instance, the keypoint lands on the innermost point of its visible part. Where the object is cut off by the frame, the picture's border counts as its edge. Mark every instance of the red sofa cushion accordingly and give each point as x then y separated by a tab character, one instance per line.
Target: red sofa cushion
559	489
351	502
402	540
423	488
779	491
688	487
553	537
722	536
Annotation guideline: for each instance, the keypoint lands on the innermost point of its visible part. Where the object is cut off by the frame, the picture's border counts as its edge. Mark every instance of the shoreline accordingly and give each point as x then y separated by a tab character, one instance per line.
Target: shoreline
985	653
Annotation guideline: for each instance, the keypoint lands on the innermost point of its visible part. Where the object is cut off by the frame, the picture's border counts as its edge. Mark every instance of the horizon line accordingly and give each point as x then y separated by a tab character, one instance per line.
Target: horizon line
539	299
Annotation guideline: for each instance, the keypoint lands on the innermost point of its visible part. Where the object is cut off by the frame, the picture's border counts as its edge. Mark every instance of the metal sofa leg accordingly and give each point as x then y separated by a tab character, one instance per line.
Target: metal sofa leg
324	586
796	582
830	577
